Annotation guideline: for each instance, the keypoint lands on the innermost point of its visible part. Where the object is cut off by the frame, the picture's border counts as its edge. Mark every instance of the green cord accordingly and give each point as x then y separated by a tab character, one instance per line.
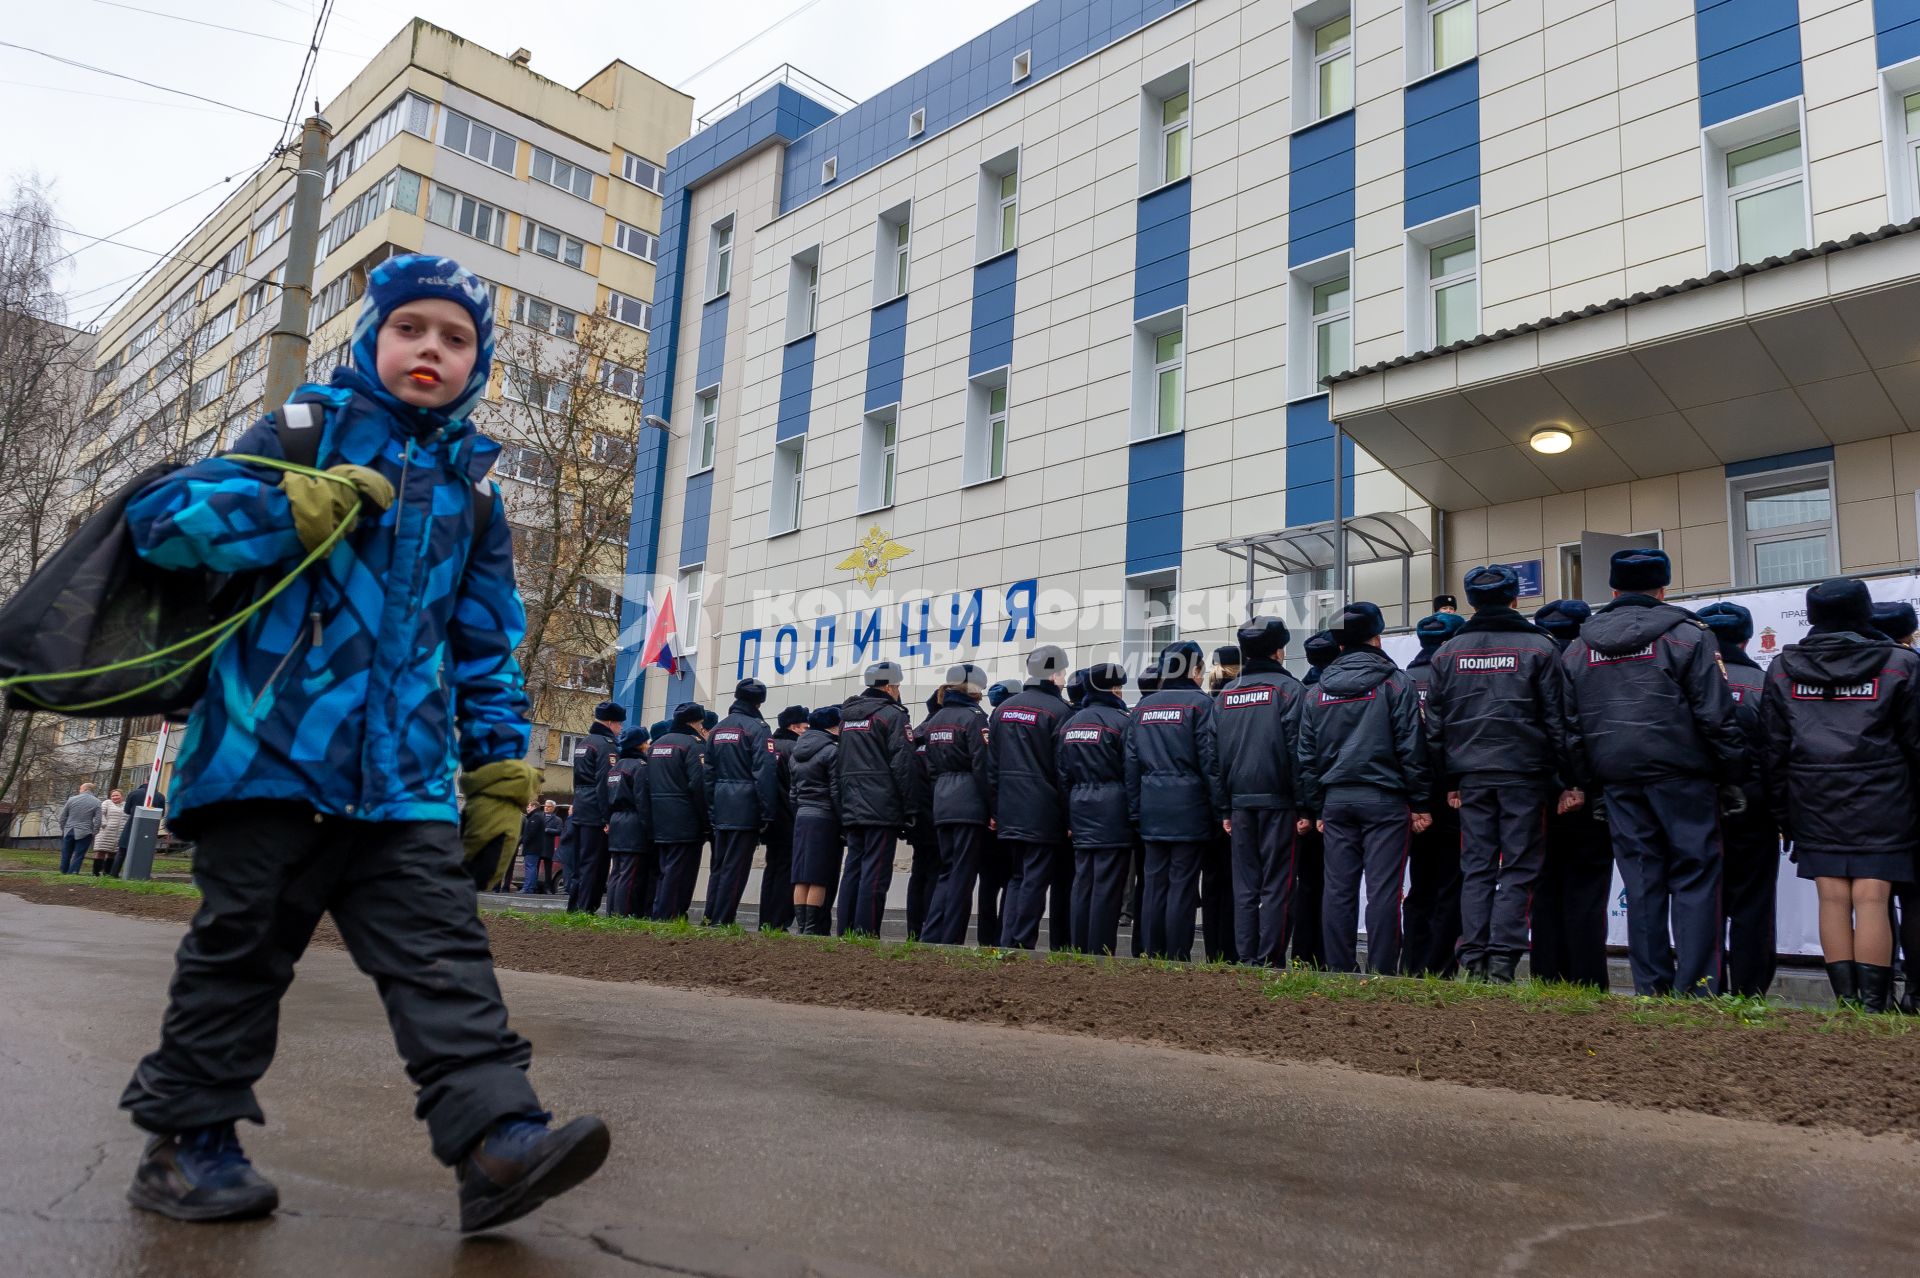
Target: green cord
214	635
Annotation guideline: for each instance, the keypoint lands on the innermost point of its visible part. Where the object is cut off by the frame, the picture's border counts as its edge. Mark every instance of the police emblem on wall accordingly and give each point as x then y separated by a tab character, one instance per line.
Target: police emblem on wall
872	558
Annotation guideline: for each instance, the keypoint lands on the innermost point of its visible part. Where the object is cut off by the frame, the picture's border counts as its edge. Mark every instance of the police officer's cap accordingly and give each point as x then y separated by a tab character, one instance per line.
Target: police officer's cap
610	712
1107	676
1181	660
751	691
1438	628
1445	603
1077	686
1360	622
634	739
793	716
1262	637
968	675
824	717
1492	586
689	713
1729	622
1895	619
710	720
1227	655
1150	677
1841	603
660	728
1001	691
1640	569
1047	659
1563	618
884	673
1321	649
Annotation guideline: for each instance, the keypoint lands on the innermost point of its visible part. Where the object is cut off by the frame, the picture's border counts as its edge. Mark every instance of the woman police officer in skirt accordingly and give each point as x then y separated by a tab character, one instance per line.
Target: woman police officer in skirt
817	842
1842	721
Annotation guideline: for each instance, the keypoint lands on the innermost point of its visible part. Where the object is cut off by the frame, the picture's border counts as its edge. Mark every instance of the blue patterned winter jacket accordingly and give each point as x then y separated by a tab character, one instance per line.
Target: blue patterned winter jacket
348	691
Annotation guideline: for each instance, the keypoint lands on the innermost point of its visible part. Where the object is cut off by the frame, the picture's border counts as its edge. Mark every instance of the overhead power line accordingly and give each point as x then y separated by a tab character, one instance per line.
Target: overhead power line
114	97
8	44
764	31
177	17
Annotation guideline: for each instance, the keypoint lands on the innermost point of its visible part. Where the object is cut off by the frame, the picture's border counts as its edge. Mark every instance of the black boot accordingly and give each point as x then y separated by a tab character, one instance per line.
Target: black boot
1845	982
201	1175
803	919
1498	969
1908	1003
1477	970
823	920
1876	986
520	1164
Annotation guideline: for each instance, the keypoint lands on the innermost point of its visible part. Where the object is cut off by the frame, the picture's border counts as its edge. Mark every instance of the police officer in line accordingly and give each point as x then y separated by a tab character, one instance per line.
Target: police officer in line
1575	887
1029	813
743	797
776	881
1216	865
1093	776
592	766
1363	771
1309	880
1497	733
1750	851
1174	798
955	745
996	861
1896	620
1259	712
817	844
1321	649
1430	945
1446	605
1842	718
1148	683
677	807
1077	688
1656	730
635	871
923	871
876	773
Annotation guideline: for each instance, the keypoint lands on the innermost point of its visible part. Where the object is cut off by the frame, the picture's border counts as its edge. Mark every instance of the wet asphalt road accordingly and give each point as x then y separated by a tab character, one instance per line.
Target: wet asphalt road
757	1139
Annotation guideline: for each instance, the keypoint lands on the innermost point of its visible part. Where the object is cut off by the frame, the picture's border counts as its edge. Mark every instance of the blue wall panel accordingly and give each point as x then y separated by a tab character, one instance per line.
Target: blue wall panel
1310	464
1320	190
1156	485
693	522
1163	235
886	353
1443	144
796	388
991	343
1896	25
713	343
1749	53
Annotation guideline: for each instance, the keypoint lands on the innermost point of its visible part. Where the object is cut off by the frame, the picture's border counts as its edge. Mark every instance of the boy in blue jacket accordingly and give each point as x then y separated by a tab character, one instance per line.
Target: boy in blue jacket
317	773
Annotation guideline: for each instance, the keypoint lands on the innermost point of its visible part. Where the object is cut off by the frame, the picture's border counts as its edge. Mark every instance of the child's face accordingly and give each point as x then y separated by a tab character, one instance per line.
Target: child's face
425	351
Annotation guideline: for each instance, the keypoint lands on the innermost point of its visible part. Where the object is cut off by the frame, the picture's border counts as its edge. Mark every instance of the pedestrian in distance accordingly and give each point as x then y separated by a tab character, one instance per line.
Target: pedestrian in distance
954	742
634	873
1216	865
113	817
592	775
1655	729
1895	619
1029	812
1575	887
817	842
776	881
1174	798
1259	723
677	808
877	788
1842	721
79	821
1093	776
743	797
1750	870
536	846
556	834
332	791
1431	913
1363	770
1498	742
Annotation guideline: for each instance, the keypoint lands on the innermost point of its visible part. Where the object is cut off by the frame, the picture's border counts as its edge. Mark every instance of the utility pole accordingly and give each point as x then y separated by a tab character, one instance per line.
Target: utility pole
287	349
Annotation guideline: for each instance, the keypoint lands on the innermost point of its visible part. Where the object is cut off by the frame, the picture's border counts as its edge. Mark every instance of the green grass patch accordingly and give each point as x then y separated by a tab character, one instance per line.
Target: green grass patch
138	887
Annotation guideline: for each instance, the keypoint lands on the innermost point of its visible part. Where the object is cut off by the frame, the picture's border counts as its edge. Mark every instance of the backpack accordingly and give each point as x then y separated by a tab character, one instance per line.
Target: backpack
140	636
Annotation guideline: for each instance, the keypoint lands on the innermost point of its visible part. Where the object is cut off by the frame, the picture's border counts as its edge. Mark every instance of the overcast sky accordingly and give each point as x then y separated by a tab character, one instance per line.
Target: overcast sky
116	151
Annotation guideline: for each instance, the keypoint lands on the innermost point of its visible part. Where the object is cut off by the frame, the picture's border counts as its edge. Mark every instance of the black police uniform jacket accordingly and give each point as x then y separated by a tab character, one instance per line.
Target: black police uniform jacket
1746	684
784	739
1259	718
1023	764
743	782
1360	735
676	788
1646	697
1419	674
1842	718
1174	793
592	765
876	762
955	741
627	816
1497	706
816	777
1093	772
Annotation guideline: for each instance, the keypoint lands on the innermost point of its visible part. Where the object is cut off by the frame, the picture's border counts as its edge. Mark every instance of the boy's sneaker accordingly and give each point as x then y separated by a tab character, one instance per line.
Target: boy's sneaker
203	1175
521	1163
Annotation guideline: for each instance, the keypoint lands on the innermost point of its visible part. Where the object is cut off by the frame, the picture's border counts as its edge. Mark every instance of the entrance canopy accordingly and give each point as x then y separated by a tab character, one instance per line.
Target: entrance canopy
1819	348
1371	539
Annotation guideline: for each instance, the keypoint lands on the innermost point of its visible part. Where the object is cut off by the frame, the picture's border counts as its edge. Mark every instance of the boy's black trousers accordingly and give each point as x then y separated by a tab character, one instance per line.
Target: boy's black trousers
405	907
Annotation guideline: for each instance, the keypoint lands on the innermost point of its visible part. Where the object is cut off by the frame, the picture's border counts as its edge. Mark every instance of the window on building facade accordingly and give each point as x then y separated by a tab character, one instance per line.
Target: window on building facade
892	250
1332	320
1159	375
335	297
879	458
1009	219
1440	34
789	485
984	448
482	142
1453	282
399	189
214	331
524	387
570	177
1766	198
706	441
528	465
1166	129
629	310
247	362
609	450
644	173
618	379
644	245
557	245
1783	525
545	316
1153	613
208	389
687	615
255	299
412	113
1909	144
998	226
593	598
720	258
803	294
1333	67
467	215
